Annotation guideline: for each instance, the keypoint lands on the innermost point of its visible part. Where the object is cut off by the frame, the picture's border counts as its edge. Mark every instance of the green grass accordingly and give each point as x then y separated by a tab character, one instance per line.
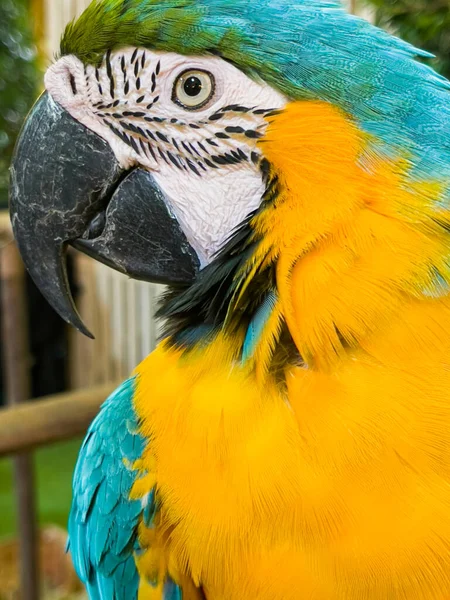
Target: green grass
54	468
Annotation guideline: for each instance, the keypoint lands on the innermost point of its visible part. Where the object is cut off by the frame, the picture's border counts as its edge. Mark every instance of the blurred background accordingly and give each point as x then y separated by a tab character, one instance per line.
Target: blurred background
54	359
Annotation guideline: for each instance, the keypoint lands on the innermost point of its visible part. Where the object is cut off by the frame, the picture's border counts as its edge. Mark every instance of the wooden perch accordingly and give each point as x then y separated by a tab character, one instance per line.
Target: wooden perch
43	422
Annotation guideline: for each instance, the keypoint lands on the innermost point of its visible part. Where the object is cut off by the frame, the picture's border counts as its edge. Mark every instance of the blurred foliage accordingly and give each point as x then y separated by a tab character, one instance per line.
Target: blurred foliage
423	23
18	79
54	467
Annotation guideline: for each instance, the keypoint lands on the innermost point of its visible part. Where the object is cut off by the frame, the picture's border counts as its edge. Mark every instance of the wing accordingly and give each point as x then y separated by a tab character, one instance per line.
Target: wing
104	521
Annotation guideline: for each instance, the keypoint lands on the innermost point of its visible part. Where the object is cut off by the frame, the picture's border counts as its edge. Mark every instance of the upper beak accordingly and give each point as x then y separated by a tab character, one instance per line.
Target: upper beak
68	188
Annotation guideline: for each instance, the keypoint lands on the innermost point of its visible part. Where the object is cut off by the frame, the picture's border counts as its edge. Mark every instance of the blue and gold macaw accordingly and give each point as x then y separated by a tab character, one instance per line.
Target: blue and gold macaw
284	168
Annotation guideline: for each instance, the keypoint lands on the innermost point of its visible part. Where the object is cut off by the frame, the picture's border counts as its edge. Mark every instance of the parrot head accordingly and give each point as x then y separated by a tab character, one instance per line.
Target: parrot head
209	144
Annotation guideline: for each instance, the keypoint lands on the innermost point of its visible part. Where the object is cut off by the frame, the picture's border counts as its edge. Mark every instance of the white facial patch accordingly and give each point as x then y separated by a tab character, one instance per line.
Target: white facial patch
194	122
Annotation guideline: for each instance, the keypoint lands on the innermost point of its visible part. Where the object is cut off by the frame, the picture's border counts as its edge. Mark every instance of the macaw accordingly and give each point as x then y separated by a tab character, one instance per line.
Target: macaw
284	167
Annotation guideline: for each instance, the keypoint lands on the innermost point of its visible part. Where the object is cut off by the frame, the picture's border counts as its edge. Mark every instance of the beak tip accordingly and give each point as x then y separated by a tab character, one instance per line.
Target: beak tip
65	307
69	313
81	327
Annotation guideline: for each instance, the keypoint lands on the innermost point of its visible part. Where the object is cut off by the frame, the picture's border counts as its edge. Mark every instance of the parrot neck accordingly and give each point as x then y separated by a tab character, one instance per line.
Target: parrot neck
234	298
358	241
343	244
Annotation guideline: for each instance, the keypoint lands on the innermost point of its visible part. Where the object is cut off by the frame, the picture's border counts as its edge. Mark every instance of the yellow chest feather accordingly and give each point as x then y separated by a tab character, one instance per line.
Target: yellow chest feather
334	485
334	488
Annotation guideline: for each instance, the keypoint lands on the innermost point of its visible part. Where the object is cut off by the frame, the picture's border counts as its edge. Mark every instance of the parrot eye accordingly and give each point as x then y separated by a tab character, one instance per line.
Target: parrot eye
193	89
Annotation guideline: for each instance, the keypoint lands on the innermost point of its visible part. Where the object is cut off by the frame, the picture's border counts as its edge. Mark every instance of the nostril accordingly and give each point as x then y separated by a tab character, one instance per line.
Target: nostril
96	227
73	84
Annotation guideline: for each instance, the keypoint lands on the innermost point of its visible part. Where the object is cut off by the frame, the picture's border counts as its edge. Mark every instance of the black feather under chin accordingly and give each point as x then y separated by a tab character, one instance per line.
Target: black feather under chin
197	311
194	313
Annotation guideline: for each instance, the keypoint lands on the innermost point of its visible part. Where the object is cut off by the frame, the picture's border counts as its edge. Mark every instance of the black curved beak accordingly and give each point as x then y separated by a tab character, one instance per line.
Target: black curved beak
68	188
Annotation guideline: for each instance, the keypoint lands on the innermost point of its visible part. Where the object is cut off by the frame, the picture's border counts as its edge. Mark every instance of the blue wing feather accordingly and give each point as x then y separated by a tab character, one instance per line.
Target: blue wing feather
257	325
103	520
171	591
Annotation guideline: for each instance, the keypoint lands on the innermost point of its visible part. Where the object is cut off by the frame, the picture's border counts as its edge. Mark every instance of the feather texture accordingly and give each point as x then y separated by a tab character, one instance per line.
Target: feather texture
104	520
257	325
331	481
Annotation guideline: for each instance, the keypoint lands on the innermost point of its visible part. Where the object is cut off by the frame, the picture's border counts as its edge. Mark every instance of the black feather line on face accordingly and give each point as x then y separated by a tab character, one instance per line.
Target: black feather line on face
109	72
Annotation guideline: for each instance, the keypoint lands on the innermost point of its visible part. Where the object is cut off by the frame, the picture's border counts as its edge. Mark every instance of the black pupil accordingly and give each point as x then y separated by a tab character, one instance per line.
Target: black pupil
193	86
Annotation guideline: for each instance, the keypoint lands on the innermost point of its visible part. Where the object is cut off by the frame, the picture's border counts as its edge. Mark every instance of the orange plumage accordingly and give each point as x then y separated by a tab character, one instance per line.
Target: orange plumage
335	485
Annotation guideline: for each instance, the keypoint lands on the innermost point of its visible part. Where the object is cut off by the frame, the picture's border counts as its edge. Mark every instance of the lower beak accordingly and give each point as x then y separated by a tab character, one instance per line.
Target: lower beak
68	188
